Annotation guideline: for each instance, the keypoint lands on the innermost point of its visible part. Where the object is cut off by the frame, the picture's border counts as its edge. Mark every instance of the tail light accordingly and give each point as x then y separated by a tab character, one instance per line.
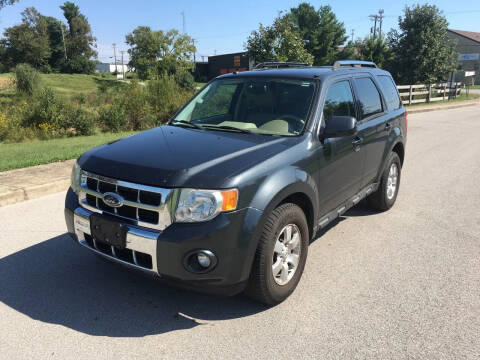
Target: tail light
406	122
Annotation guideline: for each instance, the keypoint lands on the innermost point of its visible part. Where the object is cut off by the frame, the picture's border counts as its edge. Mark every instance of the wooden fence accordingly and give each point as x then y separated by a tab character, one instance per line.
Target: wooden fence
425	93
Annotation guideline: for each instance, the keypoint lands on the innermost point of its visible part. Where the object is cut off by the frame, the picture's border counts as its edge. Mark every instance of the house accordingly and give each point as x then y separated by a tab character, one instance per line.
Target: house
468	47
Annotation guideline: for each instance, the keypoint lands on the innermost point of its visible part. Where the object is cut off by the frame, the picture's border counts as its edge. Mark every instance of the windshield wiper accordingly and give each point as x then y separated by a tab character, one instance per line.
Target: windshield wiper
226	127
187	123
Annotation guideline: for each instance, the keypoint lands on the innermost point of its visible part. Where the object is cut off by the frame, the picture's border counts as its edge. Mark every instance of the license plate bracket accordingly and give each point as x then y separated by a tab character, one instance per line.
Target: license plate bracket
108	231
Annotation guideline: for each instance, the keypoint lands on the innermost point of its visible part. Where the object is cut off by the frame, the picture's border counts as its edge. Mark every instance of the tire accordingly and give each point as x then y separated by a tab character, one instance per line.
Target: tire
383	199
263	286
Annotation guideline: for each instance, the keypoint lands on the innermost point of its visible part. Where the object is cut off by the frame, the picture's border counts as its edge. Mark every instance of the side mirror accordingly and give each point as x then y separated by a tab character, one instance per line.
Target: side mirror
339	126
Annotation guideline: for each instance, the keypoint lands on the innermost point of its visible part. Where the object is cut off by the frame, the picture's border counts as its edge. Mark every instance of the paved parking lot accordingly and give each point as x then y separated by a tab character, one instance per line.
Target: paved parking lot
401	284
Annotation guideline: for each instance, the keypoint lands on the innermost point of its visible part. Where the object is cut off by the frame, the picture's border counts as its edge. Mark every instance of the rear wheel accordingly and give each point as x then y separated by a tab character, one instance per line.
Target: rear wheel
386	194
281	255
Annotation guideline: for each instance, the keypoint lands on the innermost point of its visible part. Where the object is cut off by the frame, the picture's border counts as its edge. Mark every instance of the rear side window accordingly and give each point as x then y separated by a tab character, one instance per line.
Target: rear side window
368	98
390	91
339	101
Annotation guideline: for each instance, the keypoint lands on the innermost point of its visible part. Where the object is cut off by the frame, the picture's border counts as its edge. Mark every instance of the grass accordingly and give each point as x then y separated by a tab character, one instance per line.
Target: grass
67	85
18	155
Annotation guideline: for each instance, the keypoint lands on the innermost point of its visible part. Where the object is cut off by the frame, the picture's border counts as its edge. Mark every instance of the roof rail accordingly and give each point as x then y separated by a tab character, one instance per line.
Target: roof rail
279	64
353	63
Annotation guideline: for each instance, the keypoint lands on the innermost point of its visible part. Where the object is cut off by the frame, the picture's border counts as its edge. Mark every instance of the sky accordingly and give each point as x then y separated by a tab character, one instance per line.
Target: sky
220	26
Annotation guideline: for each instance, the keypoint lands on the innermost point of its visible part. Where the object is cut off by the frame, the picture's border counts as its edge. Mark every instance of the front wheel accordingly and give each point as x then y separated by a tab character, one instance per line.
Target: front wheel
386	194
281	255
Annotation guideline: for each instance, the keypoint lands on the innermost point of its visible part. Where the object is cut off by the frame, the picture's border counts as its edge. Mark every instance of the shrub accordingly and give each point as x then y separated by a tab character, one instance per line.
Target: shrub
165	96
80	120
47	108
112	118
135	105
78	65
27	79
185	80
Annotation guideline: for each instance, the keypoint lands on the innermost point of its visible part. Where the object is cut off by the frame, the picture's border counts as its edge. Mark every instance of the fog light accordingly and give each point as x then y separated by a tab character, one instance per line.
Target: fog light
203	259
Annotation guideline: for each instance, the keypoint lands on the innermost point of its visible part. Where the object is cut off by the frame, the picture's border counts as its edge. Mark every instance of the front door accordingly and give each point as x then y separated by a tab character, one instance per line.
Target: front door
342	158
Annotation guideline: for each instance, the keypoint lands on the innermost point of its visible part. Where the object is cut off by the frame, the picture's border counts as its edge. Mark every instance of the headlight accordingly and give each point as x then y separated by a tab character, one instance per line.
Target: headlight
202	205
76	178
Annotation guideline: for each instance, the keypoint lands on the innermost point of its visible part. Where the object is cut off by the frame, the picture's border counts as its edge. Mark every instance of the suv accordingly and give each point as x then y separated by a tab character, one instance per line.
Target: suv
227	196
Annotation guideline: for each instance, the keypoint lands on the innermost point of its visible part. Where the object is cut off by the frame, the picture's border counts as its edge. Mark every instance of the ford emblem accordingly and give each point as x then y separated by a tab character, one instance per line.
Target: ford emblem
112	199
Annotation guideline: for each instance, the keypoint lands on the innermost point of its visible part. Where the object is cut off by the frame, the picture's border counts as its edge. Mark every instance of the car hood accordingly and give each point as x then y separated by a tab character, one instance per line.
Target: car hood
172	156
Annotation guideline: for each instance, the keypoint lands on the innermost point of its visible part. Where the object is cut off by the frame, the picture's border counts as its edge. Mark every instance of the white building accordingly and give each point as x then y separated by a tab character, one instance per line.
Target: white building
110	68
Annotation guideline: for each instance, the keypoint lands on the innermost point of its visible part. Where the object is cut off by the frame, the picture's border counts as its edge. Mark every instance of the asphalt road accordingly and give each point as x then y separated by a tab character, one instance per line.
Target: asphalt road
401	284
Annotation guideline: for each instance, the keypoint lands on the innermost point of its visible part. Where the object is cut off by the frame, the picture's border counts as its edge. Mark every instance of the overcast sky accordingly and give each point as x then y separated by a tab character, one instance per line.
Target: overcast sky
222	26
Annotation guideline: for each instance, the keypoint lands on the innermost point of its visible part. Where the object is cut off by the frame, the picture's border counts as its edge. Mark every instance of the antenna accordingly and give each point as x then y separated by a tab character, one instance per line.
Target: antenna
183	21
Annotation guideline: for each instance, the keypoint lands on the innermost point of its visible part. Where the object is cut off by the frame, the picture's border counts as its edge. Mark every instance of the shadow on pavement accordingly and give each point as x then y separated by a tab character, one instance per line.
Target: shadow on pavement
59	282
361	209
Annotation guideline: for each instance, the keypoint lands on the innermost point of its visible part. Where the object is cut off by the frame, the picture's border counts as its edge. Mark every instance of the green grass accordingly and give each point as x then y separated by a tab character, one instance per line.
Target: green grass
18	155
69	85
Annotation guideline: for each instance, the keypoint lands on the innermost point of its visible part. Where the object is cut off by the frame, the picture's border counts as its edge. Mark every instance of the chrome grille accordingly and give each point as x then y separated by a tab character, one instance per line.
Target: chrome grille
142	205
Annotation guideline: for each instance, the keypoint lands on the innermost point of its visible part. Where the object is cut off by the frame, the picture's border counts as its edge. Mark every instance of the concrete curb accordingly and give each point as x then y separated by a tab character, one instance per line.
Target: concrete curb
446	107
33	182
12	196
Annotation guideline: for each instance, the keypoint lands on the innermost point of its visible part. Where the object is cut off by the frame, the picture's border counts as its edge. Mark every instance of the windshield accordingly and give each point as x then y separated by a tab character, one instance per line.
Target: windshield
264	106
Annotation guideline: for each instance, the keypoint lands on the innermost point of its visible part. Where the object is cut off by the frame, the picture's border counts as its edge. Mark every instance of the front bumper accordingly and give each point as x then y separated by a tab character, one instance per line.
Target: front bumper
232	237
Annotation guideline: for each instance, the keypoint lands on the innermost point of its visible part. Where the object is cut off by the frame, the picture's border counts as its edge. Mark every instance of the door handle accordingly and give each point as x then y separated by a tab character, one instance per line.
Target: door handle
356	143
388	126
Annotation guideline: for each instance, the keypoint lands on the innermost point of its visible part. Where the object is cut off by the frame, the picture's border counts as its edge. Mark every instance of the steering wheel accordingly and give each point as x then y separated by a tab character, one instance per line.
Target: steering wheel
296	119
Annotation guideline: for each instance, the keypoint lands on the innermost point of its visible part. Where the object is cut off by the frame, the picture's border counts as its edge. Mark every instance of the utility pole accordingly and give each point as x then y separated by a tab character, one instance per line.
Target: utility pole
183	21
352	33
115	55
63	38
375	18
380	16
194	51
123	67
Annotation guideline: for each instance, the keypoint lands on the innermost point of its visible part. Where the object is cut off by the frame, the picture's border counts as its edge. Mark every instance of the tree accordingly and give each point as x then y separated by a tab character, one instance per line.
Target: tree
303	34
4	3
54	29
27	42
279	42
374	49
79	40
153	53
423	51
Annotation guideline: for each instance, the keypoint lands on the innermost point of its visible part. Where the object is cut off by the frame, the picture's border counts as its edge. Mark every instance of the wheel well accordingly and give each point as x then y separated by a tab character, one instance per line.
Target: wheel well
303	201
398	148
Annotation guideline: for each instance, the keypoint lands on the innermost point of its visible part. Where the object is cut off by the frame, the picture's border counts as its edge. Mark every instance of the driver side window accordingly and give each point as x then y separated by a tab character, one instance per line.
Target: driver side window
339	101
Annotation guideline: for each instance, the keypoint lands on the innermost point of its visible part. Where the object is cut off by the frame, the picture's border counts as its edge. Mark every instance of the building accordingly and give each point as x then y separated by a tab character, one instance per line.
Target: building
227	63
468	47
110	68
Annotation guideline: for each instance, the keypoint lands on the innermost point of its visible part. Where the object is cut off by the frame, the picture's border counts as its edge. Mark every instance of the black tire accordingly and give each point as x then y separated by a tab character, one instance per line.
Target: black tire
262	285
379	200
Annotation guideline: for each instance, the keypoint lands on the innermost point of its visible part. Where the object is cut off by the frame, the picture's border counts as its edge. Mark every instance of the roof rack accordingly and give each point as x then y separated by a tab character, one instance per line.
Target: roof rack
279	65
353	63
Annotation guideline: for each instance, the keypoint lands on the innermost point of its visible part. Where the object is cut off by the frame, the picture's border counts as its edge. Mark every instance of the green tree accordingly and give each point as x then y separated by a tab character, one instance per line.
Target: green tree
6	2
79	40
374	49
423	51
54	29
153	53
27	42
279	42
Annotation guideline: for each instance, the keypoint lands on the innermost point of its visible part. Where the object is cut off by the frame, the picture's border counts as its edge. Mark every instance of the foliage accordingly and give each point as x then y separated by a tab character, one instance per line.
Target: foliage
27	42
303	34
152	53
27	79
374	49
112	118
38	41
185	80
279	42
424	52
6	2
322	32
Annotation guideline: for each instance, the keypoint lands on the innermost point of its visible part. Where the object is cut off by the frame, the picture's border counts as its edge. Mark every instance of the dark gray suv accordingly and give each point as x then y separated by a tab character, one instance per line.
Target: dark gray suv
227	196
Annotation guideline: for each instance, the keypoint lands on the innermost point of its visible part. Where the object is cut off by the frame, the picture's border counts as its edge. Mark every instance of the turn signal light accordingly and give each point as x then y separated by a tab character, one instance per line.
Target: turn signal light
230	199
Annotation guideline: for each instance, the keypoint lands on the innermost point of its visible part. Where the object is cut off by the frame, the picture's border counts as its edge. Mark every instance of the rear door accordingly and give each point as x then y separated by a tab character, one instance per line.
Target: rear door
373	126
342	158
